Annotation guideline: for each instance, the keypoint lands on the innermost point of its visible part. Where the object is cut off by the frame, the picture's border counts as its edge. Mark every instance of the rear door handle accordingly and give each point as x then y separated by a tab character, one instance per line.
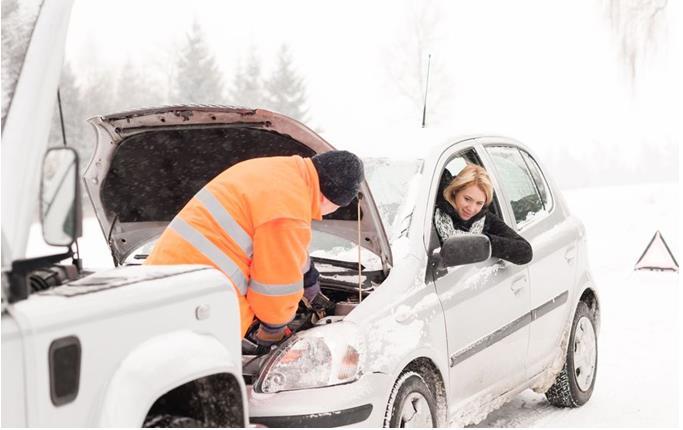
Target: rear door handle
570	254
518	283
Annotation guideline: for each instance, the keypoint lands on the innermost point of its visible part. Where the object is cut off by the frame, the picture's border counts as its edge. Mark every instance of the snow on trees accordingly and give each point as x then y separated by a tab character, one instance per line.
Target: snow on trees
247	84
286	89
199	79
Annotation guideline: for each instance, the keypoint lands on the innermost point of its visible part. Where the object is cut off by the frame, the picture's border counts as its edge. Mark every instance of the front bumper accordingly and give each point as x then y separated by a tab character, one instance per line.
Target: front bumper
358	404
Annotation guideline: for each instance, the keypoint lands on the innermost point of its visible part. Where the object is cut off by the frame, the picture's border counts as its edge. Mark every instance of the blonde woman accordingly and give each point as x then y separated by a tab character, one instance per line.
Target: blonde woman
463	209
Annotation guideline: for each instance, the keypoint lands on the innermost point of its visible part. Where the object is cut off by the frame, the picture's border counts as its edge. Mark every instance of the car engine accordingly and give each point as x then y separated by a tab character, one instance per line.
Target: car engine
341	283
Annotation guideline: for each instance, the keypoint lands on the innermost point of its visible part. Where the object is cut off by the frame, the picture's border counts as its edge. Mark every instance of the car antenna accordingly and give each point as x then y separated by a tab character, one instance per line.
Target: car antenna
424	106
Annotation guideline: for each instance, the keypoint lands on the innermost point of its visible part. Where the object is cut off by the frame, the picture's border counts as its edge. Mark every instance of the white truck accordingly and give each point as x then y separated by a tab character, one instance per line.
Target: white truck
128	347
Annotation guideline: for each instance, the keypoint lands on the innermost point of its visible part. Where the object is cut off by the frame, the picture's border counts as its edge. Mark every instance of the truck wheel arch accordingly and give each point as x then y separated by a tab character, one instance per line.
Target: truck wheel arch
158	366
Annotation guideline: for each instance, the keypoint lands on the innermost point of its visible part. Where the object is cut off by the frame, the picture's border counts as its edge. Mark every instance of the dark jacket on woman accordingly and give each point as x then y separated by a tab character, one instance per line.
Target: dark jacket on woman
505	242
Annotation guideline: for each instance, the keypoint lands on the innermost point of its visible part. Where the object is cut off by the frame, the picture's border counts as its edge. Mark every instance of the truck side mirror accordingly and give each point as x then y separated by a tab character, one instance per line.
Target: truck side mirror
465	249
60	202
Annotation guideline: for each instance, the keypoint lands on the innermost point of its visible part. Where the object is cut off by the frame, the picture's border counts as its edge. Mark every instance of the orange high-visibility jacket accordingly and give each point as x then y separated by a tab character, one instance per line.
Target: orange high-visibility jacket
253	223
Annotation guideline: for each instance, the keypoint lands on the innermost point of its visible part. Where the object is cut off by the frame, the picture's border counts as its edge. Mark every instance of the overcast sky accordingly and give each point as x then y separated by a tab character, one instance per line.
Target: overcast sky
545	72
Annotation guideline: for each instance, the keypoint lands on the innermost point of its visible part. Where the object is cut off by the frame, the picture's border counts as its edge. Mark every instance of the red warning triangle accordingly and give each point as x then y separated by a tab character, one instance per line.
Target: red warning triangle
657	256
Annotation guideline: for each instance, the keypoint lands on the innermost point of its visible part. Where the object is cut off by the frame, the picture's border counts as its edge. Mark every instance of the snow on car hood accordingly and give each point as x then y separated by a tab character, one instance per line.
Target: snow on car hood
149	163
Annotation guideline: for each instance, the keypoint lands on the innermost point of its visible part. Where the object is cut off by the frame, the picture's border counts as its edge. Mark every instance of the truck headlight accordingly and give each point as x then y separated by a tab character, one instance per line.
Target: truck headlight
319	357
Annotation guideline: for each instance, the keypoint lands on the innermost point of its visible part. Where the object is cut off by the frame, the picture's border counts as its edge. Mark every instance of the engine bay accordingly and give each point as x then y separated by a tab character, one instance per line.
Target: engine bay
341	284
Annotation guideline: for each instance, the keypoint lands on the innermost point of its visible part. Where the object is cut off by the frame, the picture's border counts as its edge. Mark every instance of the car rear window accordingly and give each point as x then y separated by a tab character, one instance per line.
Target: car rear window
539	180
518	184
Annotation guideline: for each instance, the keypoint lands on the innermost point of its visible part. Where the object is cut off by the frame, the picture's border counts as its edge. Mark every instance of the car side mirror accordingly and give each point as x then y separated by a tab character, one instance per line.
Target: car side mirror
465	249
60	203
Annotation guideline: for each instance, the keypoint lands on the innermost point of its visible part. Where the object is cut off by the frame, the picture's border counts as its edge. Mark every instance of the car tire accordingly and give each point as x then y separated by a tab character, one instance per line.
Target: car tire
574	385
411	404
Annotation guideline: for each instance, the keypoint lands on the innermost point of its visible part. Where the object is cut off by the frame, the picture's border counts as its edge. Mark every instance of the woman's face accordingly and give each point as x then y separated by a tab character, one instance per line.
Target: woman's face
469	201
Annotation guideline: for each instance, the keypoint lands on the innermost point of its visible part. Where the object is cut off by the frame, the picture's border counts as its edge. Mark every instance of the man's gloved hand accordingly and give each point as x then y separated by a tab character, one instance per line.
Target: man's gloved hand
267	337
311	282
313	295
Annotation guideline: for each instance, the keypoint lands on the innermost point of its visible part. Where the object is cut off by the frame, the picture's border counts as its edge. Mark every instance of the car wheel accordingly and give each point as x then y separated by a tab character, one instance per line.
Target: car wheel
574	385
411	404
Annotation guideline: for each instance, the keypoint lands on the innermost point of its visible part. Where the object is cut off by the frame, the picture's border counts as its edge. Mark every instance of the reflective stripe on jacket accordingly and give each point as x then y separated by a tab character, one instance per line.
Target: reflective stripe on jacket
253	223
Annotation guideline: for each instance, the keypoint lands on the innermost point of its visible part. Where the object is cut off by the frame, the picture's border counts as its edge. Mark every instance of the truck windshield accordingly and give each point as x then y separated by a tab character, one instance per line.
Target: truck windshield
18	22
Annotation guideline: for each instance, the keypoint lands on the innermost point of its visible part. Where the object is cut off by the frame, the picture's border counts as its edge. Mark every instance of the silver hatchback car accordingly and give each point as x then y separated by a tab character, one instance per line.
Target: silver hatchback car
422	334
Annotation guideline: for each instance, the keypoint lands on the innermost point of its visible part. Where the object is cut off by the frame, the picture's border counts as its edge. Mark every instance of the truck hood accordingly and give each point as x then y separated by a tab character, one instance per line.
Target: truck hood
149	163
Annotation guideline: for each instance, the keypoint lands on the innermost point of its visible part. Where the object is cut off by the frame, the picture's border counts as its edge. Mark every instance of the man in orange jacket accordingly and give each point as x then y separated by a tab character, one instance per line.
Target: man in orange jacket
253	223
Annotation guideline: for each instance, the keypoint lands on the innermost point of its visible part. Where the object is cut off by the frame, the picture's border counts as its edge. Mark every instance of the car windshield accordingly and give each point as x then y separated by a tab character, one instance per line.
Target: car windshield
391	182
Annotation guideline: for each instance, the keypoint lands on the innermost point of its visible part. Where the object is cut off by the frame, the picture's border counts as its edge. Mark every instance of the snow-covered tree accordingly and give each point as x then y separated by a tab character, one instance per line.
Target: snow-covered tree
407	60
17	24
74	116
247	87
135	89
198	77
286	89
636	25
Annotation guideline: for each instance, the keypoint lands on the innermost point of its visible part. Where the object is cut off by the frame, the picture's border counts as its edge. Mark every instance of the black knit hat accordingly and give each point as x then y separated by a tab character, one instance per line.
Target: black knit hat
340	174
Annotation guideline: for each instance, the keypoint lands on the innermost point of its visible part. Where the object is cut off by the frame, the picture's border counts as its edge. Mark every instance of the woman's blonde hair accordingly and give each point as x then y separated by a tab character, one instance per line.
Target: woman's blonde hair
469	175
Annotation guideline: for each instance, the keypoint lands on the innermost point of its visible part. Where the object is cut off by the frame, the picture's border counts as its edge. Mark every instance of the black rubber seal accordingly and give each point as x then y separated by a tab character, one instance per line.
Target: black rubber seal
322	419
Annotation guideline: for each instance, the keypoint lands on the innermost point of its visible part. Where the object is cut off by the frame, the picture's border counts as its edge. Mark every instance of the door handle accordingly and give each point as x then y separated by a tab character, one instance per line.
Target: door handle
518	284
570	254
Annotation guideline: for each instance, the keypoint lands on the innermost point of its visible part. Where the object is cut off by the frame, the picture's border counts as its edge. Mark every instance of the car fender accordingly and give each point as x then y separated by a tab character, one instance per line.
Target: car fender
392	357
415	362
585	283
423	353
157	366
403	322
405	332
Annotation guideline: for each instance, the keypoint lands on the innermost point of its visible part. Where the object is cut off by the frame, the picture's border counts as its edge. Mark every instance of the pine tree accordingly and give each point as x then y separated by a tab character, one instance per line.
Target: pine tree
198	76
286	90
637	26
407	64
247	88
136	90
99	93
76	129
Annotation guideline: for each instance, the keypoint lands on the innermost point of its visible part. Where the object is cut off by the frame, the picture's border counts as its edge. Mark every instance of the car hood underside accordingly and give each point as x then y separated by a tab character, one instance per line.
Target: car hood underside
149	163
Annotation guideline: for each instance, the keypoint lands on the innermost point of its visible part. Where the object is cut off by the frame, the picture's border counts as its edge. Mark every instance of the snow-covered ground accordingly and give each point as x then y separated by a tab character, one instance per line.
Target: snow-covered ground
637	379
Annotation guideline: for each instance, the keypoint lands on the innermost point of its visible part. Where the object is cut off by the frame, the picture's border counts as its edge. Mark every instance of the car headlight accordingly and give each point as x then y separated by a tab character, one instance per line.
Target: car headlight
319	357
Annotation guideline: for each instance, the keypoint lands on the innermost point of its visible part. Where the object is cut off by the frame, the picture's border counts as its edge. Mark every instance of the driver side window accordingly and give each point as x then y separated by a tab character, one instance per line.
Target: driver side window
441	205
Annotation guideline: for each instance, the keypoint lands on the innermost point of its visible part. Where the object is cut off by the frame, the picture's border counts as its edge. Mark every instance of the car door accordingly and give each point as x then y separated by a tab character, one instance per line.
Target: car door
484	307
552	235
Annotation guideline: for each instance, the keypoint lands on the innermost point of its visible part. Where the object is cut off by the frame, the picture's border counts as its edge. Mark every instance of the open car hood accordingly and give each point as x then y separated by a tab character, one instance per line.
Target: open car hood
149	163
